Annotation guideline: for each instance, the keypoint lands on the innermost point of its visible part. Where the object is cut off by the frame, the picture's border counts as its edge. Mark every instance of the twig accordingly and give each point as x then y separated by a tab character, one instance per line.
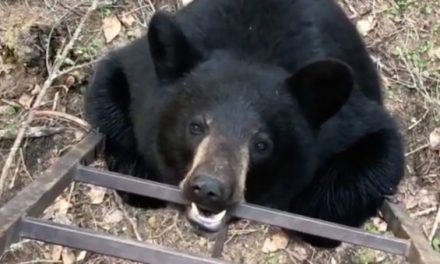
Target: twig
77	67
41	261
424	212
435	226
11	103
422	147
23	161
52	75
418	121
60	19
31	132
234	234
129	219
65	116
168	228
12	183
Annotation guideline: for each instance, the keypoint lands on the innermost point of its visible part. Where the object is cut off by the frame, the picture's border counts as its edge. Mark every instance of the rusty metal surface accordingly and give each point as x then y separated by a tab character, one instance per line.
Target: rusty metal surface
101	243
247	211
39	194
402	225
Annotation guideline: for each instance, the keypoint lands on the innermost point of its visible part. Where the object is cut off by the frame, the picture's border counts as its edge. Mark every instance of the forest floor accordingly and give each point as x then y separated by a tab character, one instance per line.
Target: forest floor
403	37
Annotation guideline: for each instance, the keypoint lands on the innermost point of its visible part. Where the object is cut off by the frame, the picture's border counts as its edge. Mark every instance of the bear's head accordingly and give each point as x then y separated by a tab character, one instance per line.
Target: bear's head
232	129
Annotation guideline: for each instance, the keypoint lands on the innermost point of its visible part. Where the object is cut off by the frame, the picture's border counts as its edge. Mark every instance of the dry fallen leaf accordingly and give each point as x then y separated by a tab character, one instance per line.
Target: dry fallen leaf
411	202
70	81
68	256
300	253
434	53
434	139
380	224
152	221
113	217
62	206
78	136
365	25
127	19
275	243
26	100
81	256
96	194
111	27
36	90
56	252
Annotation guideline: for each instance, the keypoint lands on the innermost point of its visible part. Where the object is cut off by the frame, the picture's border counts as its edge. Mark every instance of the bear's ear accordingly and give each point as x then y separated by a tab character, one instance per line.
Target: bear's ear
321	88
171	52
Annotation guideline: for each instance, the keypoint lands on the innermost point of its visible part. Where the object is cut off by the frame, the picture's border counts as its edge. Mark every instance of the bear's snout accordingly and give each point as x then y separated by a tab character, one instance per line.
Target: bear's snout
211	190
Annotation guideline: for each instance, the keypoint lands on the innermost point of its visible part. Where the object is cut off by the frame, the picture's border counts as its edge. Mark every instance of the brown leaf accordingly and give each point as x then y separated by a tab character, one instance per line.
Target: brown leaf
434	139
111	27
68	256
274	243
127	19
26	100
365	25
97	194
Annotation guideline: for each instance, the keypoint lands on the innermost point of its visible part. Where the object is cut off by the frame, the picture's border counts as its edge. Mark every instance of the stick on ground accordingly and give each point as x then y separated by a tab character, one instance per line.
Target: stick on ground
53	74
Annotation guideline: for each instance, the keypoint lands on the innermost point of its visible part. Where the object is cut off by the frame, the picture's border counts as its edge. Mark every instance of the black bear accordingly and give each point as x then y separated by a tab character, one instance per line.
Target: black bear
275	102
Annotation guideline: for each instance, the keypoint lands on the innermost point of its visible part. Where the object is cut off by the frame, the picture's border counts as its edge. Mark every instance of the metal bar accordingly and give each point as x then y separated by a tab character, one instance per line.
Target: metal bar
402	225
252	212
101	243
220	242
39	194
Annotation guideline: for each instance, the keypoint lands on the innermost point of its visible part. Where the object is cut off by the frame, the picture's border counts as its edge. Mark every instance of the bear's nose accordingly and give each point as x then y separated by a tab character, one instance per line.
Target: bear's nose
209	189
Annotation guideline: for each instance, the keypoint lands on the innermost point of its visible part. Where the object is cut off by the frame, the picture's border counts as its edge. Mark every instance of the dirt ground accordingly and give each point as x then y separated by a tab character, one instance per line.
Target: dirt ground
402	35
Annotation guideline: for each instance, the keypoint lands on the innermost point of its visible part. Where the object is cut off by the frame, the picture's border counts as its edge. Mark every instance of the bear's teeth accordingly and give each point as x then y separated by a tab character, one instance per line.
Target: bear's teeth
206	220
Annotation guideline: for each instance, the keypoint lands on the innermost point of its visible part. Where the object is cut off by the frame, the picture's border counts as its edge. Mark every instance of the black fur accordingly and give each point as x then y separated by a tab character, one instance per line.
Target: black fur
295	68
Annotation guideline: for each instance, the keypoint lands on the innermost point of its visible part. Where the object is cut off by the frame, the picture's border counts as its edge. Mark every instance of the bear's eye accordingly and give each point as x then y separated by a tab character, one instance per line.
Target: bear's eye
261	146
196	128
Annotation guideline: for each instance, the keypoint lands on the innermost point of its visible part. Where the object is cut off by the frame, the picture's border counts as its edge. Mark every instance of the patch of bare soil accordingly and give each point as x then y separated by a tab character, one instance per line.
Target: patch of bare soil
402	35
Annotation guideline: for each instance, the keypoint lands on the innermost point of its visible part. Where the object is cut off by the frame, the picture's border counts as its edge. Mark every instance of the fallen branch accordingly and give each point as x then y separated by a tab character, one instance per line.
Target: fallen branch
435	226
424	212
31	132
53	74
76	67
65	116
416	150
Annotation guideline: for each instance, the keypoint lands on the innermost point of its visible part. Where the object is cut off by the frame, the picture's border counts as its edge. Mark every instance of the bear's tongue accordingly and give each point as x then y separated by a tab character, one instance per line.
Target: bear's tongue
207	221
